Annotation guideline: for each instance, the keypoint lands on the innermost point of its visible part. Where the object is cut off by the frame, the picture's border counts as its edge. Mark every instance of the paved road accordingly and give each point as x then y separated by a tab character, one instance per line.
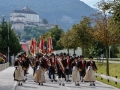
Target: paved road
31	85
6	79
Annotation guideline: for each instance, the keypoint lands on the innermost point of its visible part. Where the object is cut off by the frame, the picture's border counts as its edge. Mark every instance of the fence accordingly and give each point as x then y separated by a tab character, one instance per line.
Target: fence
115	79
4	66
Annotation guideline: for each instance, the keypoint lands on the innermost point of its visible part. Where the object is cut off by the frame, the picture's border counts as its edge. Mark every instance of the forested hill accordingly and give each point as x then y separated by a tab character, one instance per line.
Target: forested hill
62	12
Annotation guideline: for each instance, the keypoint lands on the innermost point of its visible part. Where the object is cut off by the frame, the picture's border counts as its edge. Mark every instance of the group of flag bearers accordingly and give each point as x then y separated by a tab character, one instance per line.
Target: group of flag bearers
60	65
66	68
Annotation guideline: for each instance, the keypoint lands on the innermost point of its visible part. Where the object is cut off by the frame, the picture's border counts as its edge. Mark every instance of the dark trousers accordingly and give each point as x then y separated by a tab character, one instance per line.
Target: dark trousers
83	72
61	74
34	69
52	72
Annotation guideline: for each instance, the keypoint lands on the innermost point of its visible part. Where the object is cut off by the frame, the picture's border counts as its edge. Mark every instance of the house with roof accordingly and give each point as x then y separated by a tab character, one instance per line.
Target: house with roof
24	17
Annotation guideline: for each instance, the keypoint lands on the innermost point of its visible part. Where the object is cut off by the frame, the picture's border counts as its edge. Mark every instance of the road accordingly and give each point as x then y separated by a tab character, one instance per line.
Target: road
31	85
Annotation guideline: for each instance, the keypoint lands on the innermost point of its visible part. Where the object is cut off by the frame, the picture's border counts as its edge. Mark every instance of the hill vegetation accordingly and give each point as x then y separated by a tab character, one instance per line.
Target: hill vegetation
62	12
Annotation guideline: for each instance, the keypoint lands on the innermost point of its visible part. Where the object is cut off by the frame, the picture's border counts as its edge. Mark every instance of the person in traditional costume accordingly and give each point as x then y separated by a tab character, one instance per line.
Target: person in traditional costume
90	73
75	72
27	62
82	64
67	68
60	70
52	66
40	71
19	72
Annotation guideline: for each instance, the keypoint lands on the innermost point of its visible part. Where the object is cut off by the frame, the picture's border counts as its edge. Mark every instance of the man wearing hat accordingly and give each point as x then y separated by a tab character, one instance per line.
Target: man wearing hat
52	67
82	64
60	70
90	74
67	67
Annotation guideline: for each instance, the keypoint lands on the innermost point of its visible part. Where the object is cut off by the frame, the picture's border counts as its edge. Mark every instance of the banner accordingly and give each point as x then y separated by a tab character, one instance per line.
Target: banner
50	46
41	43
33	46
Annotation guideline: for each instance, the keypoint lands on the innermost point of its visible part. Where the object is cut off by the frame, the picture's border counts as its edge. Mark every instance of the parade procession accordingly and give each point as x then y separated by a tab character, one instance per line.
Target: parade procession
59	68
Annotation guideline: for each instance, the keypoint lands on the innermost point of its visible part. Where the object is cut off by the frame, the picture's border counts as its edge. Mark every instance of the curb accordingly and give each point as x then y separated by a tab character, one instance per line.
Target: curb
14	86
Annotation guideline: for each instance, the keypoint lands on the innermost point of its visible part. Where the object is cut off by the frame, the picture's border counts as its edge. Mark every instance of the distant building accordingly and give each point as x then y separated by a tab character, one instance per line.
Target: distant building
25	15
26	18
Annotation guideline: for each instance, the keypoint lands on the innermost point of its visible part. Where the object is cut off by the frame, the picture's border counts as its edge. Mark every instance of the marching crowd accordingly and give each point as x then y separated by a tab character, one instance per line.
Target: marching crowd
61	65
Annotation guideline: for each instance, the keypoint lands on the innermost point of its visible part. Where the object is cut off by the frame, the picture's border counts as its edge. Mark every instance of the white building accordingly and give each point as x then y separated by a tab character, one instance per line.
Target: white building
26	18
24	15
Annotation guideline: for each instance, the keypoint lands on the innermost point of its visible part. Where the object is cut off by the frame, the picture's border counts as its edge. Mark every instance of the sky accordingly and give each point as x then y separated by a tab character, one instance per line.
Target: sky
90	2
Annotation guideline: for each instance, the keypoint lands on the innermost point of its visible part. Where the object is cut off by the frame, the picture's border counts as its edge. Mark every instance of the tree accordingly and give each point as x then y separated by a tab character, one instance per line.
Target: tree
55	33
45	21
82	33
105	29
13	41
66	40
97	49
115	10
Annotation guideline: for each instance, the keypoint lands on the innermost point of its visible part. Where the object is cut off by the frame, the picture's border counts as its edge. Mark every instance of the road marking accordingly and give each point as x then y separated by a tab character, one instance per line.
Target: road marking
68	88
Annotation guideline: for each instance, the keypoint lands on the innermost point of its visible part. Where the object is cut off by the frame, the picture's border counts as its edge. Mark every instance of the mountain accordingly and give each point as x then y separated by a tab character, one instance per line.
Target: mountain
65	13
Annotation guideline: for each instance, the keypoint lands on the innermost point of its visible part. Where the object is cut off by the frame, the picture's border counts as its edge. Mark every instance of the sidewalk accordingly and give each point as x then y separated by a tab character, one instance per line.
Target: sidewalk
6	79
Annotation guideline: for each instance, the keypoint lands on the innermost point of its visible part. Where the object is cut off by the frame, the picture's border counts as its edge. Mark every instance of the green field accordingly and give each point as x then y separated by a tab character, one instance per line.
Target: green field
114	69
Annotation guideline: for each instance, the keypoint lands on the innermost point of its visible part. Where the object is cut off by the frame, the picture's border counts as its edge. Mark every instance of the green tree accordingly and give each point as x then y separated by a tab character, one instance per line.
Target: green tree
66	40
82	34
13	41
45	21
56	33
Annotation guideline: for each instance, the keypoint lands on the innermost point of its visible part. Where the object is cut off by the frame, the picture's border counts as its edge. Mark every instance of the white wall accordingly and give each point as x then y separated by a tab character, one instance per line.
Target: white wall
19	26
29	17
78	52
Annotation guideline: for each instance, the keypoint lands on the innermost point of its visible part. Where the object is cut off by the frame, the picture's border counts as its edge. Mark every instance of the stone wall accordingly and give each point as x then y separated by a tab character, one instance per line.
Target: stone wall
4	66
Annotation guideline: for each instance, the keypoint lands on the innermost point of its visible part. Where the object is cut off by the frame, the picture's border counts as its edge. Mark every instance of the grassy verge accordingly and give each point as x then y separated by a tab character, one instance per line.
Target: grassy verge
112	83
114	70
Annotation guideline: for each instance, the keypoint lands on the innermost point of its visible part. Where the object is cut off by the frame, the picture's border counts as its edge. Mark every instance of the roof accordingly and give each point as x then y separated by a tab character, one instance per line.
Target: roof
24	10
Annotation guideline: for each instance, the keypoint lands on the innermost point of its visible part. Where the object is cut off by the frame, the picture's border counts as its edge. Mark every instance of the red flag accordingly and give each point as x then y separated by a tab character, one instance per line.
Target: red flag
41	43
50	46
33	46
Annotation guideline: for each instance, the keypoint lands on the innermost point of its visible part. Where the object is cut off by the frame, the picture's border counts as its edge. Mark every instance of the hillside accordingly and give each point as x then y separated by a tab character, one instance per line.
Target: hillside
62	12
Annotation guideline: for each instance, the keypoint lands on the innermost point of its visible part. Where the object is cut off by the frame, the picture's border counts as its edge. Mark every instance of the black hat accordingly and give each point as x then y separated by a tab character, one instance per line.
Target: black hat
74	54
19	56
81	56
90	57
64	54
57	55
67	54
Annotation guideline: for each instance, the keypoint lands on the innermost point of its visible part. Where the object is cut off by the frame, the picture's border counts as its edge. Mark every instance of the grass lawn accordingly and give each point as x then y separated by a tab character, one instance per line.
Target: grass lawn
114	70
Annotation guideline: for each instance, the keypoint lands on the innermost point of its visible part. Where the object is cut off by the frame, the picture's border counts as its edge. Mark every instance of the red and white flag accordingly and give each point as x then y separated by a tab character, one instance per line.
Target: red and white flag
50	46
41	43
33	46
